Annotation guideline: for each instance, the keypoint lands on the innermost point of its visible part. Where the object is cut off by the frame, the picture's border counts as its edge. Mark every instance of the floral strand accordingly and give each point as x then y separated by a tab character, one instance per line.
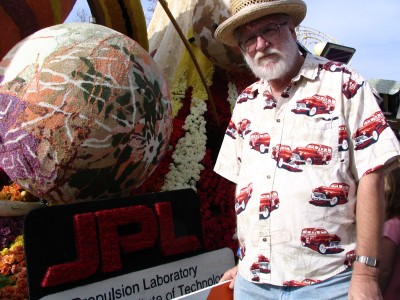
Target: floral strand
189	152
232	95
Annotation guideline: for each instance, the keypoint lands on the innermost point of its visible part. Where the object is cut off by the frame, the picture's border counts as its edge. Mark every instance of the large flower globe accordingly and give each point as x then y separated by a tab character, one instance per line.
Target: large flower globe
84	113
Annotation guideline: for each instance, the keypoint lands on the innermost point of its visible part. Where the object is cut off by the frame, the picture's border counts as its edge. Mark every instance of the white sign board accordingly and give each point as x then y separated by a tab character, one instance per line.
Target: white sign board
163	282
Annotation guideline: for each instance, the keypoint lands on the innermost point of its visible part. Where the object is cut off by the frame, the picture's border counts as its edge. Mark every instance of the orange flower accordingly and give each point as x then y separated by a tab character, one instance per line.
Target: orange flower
8	259
4	269
14	192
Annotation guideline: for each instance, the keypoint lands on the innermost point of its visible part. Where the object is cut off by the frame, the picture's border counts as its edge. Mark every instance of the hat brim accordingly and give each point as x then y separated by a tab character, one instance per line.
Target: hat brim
225	31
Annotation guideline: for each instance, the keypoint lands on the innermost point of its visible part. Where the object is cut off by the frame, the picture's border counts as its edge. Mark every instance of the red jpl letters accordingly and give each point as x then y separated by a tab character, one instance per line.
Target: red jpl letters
87	253
106	245
110	241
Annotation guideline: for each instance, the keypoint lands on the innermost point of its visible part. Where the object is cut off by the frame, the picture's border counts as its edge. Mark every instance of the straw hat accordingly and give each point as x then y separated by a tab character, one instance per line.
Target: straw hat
245	11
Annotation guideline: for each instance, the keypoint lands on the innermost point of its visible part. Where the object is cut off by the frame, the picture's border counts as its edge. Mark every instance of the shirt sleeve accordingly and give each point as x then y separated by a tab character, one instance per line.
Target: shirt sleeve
391	229
229	158
374	143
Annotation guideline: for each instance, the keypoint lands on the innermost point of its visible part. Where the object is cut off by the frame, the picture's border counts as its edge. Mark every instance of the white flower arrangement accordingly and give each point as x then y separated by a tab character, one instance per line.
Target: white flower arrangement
189	151
232	94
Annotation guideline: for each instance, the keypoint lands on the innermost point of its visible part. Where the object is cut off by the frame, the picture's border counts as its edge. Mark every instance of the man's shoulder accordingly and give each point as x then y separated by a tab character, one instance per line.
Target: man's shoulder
323	64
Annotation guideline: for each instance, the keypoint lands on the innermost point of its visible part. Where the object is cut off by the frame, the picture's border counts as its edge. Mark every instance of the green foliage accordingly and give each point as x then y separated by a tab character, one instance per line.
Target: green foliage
5	281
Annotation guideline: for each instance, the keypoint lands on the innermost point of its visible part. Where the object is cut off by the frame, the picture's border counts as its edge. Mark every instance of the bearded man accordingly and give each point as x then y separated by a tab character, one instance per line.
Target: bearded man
309	205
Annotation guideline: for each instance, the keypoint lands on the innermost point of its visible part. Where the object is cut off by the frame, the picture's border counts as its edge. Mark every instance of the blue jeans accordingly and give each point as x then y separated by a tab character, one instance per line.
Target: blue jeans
335	288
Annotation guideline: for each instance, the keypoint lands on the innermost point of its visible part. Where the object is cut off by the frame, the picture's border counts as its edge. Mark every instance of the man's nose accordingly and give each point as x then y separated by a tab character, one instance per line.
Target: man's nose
261	43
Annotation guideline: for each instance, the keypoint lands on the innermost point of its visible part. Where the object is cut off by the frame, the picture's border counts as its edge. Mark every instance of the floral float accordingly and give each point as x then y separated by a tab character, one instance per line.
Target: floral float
196	137
85	113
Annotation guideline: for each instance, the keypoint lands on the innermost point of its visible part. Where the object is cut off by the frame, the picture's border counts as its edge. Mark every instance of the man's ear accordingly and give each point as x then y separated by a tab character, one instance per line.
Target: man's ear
293	32
292	28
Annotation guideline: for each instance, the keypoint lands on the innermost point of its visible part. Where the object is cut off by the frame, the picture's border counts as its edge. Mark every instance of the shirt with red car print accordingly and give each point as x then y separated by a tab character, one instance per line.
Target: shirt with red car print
296	162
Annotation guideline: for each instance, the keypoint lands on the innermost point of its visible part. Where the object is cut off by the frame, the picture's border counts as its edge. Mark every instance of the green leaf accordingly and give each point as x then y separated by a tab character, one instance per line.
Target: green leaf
121	115
125	154
4	281
105	92
126	51
117	138
109	108
100	106
124	99
140	81
117	152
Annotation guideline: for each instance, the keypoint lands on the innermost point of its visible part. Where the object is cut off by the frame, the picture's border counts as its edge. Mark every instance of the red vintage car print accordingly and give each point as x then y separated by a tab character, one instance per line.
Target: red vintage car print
317	104
255	272
343	138
304	282
231	130
333	66
247	94
260	142
243	198
336	193
264	264
312	154
318	239
261	266
268	203
350	258
269	100
350	88
283	156
244	127
369	133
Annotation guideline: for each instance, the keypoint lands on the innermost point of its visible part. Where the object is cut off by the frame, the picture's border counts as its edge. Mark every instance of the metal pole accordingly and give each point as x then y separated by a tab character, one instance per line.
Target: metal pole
164	4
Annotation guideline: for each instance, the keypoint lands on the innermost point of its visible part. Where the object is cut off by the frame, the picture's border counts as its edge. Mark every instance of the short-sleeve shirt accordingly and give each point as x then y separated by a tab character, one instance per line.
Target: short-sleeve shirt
296	161
391	230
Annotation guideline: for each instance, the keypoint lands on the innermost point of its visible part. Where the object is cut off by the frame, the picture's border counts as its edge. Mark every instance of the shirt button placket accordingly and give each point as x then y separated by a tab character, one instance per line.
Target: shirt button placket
265	225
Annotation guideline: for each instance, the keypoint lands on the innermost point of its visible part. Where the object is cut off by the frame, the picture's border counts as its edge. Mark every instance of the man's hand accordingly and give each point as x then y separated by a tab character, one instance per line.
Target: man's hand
364	287
228	275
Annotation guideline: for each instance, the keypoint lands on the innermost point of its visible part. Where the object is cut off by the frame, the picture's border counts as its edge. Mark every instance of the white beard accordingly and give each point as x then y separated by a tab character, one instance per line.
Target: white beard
276	66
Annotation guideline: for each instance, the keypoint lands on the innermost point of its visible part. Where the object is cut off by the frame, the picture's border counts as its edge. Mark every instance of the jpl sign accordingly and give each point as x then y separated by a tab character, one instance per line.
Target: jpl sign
74	245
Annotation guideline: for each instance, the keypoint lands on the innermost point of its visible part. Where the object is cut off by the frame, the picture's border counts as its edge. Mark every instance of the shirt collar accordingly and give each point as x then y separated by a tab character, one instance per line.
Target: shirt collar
309	69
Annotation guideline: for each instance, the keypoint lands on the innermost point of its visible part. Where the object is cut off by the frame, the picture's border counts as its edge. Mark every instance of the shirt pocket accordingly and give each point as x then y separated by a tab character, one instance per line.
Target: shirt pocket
318	130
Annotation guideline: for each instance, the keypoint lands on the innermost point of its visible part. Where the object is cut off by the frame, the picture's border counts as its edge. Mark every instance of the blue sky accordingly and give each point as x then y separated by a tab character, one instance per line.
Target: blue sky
371	27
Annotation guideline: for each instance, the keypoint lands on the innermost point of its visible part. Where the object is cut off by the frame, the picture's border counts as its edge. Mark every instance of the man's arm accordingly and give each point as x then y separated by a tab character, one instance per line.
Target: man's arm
370	210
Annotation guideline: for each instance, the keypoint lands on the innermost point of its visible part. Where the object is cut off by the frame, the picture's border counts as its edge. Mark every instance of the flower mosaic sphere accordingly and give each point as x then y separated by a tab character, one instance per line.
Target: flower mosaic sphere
207	15
85	113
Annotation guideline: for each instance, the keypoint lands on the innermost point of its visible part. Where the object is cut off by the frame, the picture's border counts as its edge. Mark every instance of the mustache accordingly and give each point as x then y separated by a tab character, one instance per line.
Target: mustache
263	55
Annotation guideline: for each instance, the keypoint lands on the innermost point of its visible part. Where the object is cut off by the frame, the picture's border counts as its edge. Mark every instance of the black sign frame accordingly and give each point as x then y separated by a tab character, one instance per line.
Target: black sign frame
49	237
